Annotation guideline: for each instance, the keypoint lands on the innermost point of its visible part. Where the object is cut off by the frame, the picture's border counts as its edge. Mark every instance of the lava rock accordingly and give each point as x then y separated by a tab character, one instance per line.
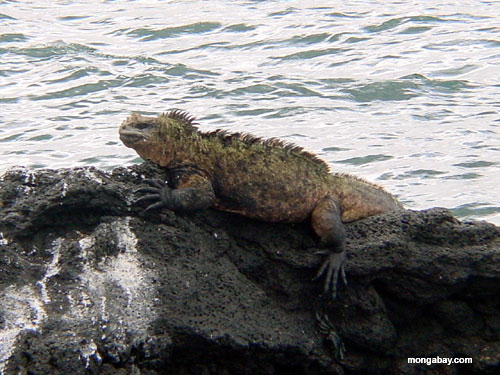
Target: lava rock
89	284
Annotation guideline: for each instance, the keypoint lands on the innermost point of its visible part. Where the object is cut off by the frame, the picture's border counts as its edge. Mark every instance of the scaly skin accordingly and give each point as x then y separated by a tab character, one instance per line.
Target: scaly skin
265	180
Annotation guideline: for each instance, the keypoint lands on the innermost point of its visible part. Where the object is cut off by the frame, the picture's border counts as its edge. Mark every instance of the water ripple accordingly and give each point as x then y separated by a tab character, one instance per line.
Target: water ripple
14	37
310	54
391	91
52	50
171	32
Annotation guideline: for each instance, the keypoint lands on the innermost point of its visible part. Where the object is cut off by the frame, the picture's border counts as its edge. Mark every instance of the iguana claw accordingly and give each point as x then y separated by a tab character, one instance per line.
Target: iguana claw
157	190
328	330
332	265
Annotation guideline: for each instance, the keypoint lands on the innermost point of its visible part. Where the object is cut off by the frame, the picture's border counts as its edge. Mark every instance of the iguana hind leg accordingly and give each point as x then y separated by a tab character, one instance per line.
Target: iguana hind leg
326	222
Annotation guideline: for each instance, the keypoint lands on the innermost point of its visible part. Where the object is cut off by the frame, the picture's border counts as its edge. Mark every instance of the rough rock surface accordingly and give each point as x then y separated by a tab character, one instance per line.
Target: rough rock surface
89	285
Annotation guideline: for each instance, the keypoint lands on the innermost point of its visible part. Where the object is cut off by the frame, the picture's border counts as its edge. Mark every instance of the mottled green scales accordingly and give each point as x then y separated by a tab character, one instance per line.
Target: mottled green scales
262	179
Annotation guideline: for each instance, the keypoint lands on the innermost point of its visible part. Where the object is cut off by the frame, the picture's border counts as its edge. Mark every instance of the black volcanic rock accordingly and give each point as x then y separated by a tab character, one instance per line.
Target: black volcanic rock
91	285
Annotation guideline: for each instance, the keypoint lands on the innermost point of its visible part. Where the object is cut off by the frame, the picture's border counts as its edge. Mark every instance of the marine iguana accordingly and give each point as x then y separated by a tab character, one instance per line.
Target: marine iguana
267	180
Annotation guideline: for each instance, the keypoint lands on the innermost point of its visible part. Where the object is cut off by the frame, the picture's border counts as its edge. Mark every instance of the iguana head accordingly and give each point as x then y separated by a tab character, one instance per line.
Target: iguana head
159	139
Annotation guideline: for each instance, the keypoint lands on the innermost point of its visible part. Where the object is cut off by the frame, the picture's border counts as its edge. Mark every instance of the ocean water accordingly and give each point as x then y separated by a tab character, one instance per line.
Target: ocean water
404	93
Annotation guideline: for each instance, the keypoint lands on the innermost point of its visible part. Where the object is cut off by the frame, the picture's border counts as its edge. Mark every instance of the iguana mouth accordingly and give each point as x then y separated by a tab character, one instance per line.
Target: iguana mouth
131	136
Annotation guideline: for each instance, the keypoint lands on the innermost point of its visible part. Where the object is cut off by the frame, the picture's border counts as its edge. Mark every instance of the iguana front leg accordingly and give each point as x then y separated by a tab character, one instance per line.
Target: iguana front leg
326	222
192	192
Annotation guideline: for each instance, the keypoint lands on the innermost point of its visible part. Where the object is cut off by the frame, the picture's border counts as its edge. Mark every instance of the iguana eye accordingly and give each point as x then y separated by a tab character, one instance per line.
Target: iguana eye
142	125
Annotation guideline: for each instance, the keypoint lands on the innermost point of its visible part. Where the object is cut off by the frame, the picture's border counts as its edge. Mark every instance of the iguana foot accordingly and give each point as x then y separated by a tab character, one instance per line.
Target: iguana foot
331	267
157	190
327	329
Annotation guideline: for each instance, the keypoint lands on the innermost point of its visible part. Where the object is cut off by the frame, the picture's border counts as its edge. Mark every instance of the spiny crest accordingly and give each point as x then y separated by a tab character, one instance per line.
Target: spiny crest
183	117
358	179
273	143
